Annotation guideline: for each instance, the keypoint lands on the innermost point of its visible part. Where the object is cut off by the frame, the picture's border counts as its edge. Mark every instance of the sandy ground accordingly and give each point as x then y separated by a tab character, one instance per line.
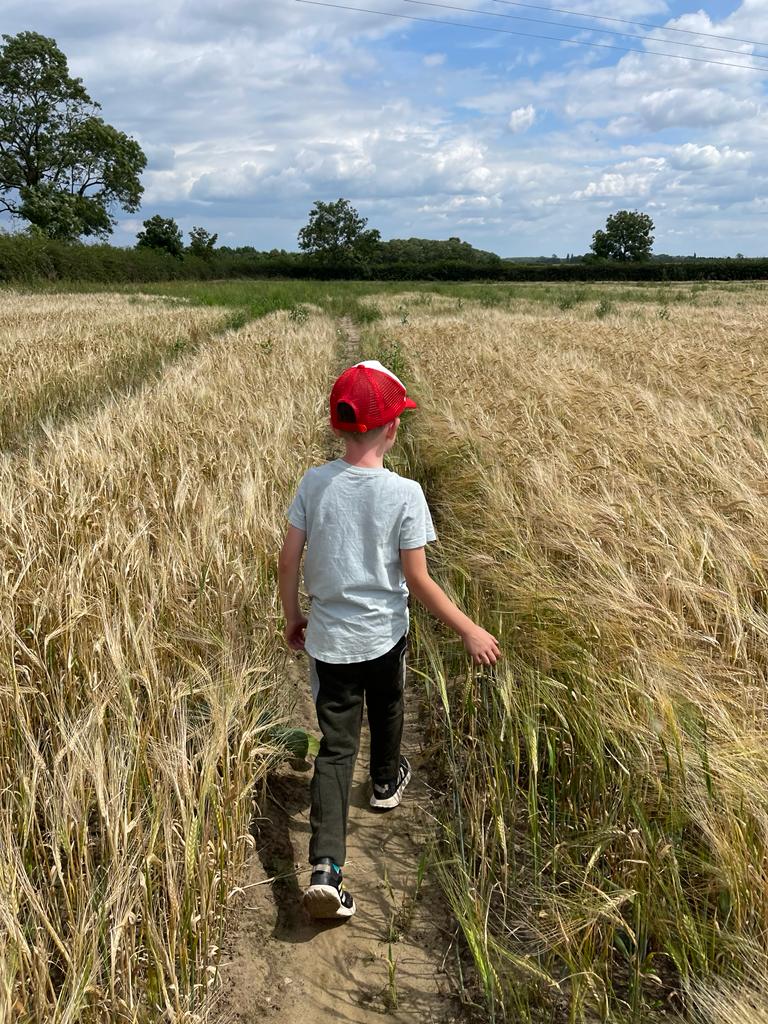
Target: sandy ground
279	966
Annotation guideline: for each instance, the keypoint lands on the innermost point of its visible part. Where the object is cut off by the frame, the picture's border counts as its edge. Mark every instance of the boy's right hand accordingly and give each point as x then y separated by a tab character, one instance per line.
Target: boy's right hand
481	645
294	633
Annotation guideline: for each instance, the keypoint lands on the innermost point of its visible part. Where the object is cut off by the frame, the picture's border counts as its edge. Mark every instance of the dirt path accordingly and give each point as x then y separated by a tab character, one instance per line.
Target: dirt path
280	967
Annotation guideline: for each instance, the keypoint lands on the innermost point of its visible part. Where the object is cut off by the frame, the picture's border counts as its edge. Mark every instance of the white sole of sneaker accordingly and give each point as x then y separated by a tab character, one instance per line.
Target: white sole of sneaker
393	801
323	901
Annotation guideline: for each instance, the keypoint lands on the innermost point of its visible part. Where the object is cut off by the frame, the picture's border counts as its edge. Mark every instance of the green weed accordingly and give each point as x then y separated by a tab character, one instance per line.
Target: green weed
298	314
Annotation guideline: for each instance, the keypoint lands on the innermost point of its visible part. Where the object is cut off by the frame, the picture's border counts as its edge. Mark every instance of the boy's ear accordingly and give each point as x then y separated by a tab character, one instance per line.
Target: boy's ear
392	427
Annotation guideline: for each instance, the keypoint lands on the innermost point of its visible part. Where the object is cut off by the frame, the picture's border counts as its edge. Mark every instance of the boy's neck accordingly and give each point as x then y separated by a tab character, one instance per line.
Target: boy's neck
363	458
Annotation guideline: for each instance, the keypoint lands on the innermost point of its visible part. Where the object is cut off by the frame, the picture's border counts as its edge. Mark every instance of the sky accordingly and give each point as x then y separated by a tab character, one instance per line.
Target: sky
251	110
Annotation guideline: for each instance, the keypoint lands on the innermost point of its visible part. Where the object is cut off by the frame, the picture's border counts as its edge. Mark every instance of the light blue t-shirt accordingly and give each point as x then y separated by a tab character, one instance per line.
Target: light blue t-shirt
356	521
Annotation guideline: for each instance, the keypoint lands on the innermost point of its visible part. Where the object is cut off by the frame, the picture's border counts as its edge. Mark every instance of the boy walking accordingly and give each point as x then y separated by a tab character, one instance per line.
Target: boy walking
365	530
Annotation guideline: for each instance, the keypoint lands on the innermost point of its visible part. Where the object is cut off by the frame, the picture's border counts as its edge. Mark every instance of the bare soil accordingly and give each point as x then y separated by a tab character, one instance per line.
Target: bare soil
279	966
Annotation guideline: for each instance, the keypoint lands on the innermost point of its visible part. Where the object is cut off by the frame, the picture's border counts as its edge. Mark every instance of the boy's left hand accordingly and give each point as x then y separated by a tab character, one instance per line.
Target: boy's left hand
294	633
481	645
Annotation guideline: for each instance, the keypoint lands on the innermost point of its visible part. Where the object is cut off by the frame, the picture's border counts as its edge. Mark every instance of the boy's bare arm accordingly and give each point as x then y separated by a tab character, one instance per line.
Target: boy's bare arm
481	645
288	565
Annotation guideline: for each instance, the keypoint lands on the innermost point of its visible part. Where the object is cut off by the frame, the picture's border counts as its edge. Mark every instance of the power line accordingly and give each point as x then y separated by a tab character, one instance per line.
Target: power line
624	21
583	28
531	35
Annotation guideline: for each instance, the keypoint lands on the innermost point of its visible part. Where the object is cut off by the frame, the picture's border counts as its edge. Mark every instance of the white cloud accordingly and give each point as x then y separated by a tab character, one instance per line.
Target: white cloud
433	60
689	156
616	186
669	108
461	203
521	119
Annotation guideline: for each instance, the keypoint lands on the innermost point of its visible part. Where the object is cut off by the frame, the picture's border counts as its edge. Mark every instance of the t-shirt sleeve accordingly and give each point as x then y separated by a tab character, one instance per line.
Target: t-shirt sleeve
297	512
416	529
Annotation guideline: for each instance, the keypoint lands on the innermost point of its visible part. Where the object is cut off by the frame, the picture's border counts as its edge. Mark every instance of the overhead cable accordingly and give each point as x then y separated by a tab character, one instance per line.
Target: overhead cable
532	35
624	21
581	28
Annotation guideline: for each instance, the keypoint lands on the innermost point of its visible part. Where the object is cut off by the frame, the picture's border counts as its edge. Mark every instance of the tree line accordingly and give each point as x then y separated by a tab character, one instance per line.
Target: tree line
25	259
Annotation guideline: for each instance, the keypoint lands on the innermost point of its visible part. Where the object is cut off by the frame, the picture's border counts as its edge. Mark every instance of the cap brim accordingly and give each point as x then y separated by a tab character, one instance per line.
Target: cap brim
409	404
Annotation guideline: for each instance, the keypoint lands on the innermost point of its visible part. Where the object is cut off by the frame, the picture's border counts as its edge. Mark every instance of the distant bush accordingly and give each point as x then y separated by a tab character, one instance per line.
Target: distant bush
28	260
609	270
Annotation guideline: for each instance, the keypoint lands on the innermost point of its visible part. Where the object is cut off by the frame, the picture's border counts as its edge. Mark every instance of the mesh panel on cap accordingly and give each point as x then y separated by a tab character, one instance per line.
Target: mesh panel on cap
386	395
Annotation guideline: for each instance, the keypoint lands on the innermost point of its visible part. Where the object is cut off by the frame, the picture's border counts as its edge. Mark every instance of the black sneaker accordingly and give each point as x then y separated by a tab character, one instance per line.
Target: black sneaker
327	895
388	795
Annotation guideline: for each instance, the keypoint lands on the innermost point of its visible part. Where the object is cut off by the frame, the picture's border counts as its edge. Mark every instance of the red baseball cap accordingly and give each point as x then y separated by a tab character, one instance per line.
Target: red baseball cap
374	394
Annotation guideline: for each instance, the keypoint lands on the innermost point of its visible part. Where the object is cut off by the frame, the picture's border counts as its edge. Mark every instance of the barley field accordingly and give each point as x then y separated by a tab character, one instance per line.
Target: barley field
139	638
598	471
597	465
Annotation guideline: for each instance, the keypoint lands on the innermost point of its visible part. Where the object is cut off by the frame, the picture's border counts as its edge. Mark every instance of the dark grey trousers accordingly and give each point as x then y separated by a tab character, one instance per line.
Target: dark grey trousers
343	689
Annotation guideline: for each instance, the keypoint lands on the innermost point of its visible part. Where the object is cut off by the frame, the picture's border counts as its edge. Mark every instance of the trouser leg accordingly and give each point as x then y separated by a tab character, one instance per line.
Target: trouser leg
339	713
384	690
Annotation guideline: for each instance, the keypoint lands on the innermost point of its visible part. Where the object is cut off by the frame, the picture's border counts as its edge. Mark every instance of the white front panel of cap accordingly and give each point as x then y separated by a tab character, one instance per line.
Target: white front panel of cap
374	364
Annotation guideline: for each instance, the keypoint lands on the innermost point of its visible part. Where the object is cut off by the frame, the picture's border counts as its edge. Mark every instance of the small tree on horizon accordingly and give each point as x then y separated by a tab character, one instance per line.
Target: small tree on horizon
202	242
336	235
161	233
627	236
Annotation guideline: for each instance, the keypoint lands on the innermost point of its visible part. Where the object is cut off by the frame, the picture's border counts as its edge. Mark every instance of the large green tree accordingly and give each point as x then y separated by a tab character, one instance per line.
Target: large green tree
336	236
62	167
627	236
